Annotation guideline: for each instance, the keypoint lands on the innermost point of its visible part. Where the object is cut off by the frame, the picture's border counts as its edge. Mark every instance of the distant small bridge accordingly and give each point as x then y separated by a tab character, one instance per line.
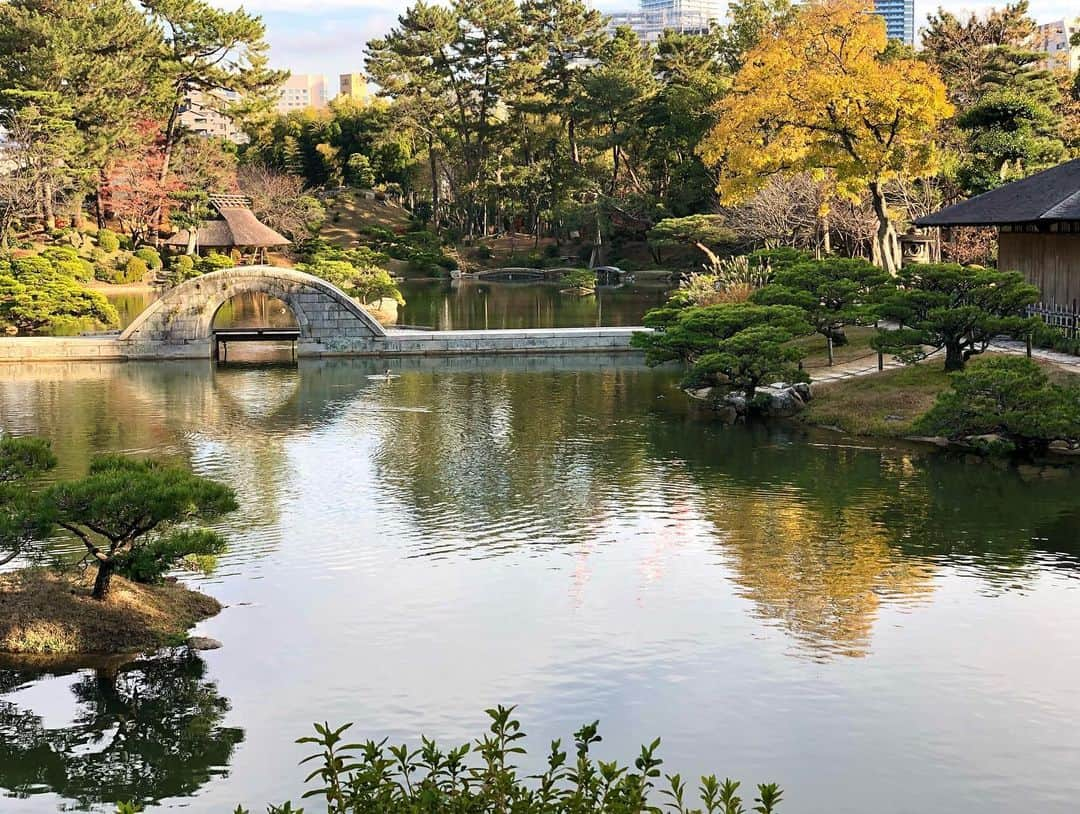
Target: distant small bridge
509	274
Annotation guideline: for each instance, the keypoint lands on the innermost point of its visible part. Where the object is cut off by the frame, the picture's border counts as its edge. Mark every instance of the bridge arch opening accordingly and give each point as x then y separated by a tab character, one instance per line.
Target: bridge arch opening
254	326
254	309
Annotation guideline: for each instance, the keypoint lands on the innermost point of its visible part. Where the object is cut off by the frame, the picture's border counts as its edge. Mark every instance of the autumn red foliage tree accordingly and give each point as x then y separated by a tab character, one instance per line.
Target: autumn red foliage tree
136	194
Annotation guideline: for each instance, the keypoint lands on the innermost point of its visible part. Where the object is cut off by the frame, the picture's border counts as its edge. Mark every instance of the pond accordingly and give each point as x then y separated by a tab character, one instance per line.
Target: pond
447	305
465	304
876	629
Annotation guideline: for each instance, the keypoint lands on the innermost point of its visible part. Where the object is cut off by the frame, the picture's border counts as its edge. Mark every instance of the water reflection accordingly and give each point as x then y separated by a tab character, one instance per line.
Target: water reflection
139	732
570	534
462	304
459	305
817	534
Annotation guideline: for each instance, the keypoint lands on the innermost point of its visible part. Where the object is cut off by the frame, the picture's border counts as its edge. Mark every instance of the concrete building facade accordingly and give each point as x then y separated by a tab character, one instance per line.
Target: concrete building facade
899	18
201	113
353	86
303	90
1055	39
656	16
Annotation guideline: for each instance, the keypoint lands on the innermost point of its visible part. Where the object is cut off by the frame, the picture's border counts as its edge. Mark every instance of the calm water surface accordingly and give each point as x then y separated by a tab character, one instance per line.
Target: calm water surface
464	304
876	630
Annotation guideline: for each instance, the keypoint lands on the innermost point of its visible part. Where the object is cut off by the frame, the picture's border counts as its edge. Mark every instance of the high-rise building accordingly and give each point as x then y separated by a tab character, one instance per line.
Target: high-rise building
353	86
1055	39
899	19
302	90
656	16
201	113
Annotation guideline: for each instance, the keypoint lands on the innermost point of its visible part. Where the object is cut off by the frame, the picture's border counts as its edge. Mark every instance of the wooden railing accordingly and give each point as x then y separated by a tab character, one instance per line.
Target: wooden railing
1066	318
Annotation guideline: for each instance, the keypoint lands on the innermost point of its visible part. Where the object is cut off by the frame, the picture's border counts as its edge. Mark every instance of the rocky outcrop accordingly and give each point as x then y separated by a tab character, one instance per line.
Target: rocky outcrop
776	400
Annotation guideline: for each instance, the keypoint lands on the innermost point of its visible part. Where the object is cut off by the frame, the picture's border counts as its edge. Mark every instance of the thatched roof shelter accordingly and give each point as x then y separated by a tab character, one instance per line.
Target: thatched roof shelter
235	226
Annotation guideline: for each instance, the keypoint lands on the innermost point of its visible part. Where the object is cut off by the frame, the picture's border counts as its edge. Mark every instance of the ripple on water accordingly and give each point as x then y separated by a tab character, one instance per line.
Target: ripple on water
830	616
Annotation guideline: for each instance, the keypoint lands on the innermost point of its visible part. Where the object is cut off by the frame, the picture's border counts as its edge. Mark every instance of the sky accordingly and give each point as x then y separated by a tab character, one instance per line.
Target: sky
328	36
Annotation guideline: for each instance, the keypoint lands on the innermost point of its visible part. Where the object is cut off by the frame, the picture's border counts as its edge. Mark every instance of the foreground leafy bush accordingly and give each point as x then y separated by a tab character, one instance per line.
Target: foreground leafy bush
580	278
37	294
1051	338
1009	396
108	240
738	346
374	778
214	262
149	256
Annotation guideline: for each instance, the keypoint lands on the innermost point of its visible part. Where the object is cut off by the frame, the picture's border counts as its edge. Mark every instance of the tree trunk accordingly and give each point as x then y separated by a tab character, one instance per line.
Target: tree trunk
433	166
166	158
886	245
103	580
47	210
571	131
954	356
615	152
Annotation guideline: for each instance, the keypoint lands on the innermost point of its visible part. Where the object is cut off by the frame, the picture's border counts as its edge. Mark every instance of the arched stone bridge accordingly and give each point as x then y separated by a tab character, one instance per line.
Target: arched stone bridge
180	326
181	322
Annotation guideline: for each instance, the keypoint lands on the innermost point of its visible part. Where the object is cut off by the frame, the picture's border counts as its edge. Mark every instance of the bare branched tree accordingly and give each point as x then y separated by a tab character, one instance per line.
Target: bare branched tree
278	199
22	175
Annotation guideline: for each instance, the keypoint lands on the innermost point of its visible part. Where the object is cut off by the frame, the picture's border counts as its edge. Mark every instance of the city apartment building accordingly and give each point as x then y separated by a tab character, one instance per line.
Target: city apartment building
302	90
201	114
899	18
656	16
353	86
1054	39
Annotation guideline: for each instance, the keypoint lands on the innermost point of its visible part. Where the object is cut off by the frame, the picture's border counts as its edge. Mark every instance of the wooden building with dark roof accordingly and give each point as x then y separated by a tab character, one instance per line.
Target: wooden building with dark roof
234	226
1038	223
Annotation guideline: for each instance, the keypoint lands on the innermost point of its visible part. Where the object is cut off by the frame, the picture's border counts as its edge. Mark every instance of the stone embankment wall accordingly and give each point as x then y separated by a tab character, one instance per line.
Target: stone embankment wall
392	343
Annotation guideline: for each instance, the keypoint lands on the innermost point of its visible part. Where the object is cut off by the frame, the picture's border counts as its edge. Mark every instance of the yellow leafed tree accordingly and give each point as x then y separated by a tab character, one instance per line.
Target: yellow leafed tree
822	95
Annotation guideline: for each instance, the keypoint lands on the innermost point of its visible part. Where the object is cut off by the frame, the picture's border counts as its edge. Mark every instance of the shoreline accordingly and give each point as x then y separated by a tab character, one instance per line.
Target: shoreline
46	615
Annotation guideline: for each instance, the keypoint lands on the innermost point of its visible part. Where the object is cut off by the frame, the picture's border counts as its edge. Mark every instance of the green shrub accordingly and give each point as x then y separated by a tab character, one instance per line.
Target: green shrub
126	243
1009	396
365	283
182	267
78	268
108	240
484	252
149	256
183	263
60	253
1051	338
378	233
36	296
135	270
580	278
214	262
374	778
551	251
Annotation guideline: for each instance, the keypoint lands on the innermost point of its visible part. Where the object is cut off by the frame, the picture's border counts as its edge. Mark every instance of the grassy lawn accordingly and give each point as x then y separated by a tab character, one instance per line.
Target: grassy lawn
349	213
886	404
881	404
857	347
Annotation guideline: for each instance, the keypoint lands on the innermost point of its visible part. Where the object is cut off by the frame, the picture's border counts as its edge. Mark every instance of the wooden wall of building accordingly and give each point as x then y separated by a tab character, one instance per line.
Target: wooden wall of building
1050	261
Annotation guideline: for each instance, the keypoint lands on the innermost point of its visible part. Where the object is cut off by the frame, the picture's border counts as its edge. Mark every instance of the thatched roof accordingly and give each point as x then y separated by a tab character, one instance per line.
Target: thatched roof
1047	197
235	225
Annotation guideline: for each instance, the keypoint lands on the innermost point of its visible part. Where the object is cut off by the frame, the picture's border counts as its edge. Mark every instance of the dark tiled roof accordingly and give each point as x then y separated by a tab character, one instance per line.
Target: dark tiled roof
1050	195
